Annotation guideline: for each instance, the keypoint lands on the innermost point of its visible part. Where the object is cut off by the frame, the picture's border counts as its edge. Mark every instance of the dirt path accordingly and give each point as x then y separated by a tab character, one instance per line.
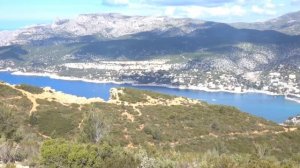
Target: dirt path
80	124
44	136
130	117
260	132
286	129
60	97
137	110
232	134
31	98
115	99
12	98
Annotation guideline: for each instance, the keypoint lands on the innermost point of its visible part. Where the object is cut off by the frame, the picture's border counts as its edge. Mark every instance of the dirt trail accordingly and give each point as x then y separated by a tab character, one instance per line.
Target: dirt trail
44	136
232	134
130	117
286	129
166	102
12	98
137	110
128	138
80	124
60	97
115	99
262	132
131	146
141	127
31	98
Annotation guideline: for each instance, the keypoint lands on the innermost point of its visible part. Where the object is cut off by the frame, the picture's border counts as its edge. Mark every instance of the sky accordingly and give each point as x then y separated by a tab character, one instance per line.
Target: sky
19	13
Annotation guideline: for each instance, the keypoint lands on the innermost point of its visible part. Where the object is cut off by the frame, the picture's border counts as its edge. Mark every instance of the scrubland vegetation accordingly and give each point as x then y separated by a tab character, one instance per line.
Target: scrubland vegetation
116	135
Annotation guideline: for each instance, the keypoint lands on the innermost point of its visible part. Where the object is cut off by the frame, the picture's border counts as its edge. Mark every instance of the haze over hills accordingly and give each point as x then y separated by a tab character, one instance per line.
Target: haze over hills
289	24
115	25
197	53
108	26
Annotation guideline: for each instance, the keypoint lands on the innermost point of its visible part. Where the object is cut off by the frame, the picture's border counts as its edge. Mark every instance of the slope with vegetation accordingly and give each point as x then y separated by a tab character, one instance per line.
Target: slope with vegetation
136	129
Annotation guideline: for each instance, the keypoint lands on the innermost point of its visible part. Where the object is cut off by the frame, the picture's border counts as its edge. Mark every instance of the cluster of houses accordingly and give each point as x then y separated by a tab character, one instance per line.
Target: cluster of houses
284	84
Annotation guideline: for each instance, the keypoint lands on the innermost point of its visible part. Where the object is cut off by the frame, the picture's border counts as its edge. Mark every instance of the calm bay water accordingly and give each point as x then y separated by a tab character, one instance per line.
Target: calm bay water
275	108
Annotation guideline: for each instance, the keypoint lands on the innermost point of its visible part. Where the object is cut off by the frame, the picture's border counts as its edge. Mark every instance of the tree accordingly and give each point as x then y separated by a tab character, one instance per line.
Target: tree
94	128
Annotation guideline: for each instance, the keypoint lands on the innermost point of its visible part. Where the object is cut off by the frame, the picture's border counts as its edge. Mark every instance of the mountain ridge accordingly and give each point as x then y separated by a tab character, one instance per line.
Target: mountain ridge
102	25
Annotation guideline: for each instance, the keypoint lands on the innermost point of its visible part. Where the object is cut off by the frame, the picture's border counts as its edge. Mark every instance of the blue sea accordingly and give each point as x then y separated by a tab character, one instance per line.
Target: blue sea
274	108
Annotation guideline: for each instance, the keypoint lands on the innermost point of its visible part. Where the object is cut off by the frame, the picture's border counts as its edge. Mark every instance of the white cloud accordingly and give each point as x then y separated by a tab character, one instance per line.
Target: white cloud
217	10
257	10
170	11
269	4
241	1
200	11
115	2
207	3
267	8
238	10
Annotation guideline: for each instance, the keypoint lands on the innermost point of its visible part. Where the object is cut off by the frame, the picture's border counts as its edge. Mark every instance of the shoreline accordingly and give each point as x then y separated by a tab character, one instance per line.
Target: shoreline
59	95
196	88
297	100
55	76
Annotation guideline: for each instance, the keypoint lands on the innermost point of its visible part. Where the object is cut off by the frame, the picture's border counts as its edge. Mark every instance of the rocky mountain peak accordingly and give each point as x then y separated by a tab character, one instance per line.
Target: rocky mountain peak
108	25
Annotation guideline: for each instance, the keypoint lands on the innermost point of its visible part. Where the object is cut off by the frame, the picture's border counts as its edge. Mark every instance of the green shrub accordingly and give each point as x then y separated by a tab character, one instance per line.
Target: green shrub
8	123
54	123
134	96
60	153
154	132
7	91
31	89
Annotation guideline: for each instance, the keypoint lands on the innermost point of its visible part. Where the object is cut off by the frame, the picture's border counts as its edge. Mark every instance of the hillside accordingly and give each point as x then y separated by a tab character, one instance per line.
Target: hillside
181	130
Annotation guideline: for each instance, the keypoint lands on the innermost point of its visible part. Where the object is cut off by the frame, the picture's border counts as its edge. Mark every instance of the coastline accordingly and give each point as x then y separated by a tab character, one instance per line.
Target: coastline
55	76
297	100
59	95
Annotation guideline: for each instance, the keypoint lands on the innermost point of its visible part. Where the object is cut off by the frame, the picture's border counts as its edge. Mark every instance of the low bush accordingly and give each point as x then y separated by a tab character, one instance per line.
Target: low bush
31	89
60	153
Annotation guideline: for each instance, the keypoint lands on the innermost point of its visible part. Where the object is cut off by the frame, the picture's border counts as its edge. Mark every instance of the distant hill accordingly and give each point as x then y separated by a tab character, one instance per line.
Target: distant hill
288	24
93	37
133	119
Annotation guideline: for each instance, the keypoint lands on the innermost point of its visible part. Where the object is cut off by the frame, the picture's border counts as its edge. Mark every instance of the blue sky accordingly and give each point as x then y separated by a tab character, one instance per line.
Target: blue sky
19	13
